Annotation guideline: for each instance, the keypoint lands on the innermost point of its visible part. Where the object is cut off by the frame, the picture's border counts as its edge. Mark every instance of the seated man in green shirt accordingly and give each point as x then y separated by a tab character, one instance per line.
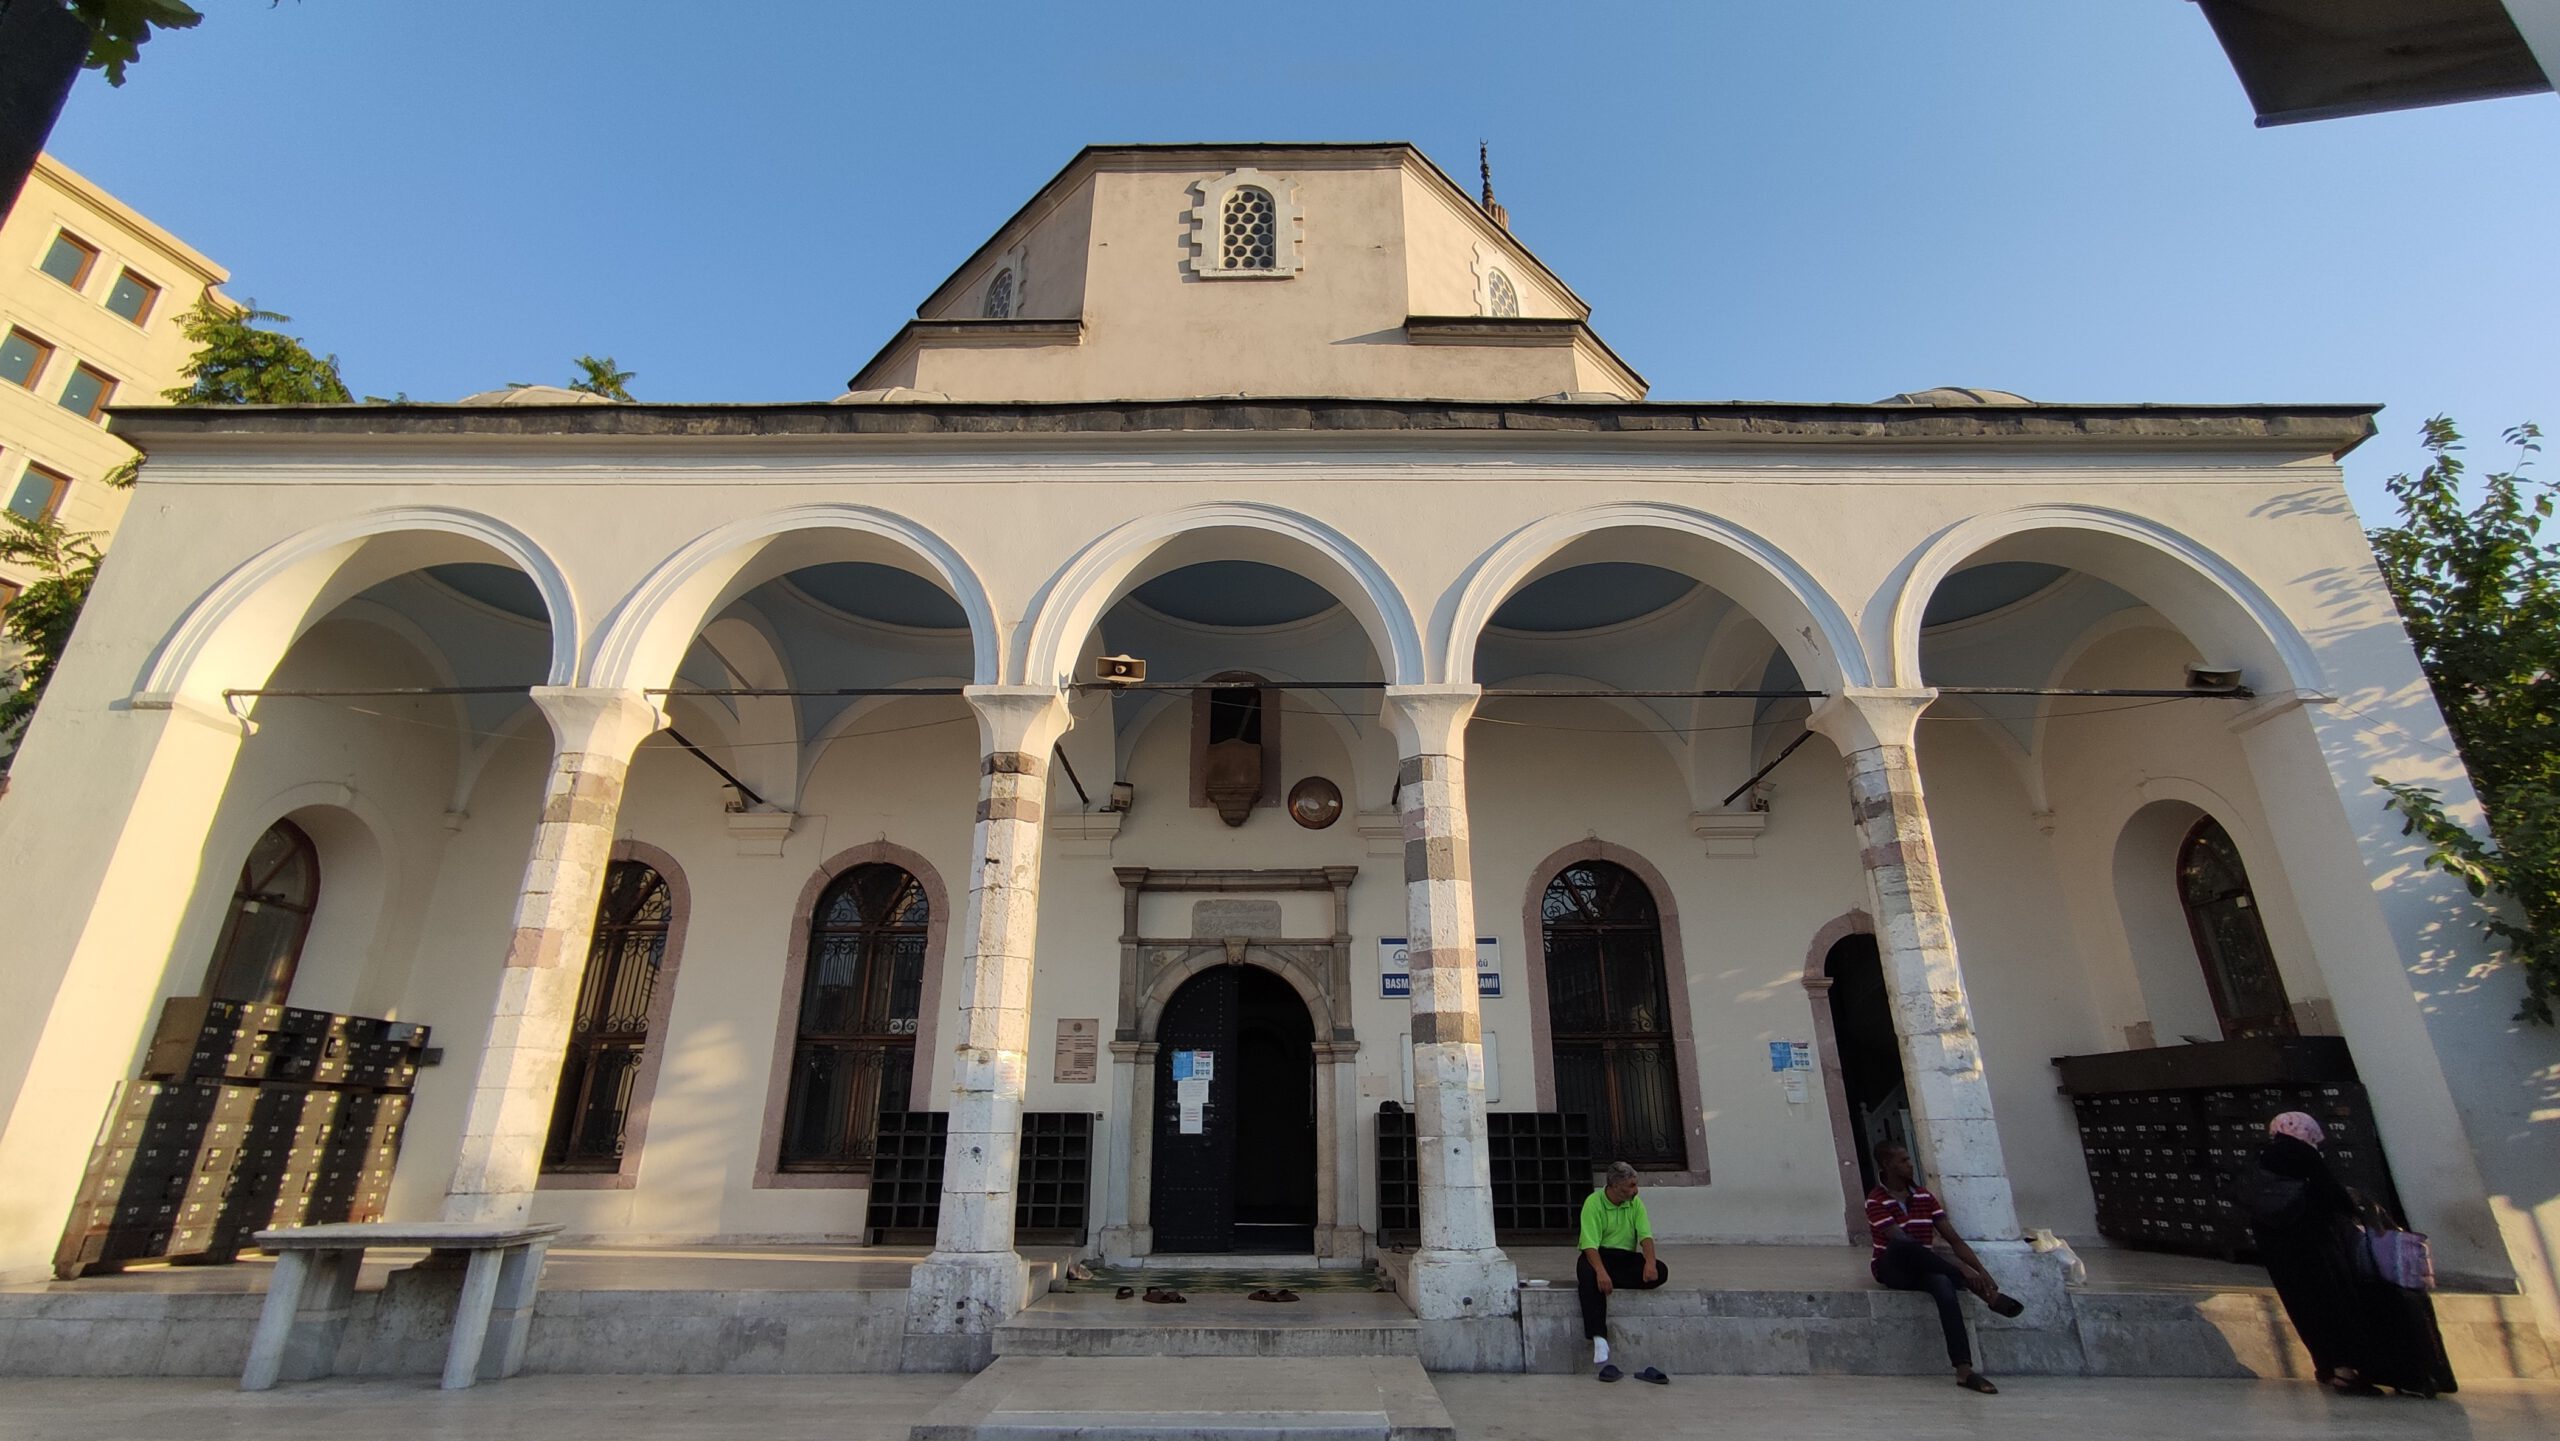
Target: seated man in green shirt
1614	1227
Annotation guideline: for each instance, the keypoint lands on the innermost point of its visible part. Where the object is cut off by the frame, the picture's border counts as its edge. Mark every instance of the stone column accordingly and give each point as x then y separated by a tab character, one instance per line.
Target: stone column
594	732
973	1280
1460	1279
1941	1062
1958	1141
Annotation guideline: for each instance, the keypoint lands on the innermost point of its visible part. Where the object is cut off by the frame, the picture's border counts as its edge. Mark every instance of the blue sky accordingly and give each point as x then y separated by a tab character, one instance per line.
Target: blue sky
1817	200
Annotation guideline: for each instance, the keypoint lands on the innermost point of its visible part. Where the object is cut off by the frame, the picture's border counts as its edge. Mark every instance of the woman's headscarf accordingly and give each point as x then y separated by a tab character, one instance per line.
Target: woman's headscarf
2299	1126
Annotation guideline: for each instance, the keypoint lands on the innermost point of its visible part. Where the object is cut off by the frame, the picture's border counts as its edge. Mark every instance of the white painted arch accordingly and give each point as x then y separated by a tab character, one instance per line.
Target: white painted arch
234	635
645	639
1073	602
1761	579
2220	609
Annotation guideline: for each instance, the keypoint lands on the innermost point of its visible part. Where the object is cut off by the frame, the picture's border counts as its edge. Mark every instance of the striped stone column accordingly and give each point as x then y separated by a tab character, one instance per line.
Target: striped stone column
973	1280
594	732
1958	1143
1459	1274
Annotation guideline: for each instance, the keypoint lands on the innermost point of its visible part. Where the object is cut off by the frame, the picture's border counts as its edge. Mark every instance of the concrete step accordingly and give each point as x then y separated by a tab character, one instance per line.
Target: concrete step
1111	1398
1092	1323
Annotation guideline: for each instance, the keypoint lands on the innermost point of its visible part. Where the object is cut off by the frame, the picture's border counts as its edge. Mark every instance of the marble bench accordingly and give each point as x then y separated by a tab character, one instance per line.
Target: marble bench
315	1283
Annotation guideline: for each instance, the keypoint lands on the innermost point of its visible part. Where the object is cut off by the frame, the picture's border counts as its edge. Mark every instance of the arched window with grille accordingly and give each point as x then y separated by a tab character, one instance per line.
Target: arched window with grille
859	997
1502	298
609	1036
1609	1014
270	916
1248	230
2231	939
999	304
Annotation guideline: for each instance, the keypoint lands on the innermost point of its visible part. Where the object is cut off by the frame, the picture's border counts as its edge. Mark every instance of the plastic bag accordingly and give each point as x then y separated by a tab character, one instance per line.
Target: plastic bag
2047	1243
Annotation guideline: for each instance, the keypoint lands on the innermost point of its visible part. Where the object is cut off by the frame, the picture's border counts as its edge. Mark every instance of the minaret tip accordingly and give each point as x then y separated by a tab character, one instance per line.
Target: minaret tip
1484	167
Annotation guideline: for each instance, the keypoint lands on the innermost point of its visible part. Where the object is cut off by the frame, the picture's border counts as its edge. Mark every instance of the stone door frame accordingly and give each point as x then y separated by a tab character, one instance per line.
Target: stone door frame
1152	968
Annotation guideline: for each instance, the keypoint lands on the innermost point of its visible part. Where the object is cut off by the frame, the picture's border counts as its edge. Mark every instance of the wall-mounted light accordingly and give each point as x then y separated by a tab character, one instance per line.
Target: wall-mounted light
2212	679
1123	795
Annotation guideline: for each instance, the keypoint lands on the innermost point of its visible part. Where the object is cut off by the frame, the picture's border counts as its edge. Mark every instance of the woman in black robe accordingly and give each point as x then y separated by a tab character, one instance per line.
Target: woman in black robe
2362	1332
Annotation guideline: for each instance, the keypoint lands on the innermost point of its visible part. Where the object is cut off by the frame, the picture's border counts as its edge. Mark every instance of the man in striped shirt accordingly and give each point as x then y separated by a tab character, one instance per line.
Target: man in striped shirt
1904	1222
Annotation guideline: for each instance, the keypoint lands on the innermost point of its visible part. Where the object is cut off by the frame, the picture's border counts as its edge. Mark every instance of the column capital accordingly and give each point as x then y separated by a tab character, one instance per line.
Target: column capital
1862	718
600	720
1431	720
1024	719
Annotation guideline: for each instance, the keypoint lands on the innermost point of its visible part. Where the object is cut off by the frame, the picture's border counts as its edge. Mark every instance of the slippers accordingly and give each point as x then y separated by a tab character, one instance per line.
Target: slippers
1123	1294
1654	1375
1978	1382
1261	1296
1611	1373
2005	1305
1166	1296
1284	1294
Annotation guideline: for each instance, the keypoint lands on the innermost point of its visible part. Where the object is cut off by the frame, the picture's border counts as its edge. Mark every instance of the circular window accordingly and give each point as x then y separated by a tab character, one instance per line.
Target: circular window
1315	803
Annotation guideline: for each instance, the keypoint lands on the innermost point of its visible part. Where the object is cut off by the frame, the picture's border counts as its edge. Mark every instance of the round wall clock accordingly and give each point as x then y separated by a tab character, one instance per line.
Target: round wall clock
1315	803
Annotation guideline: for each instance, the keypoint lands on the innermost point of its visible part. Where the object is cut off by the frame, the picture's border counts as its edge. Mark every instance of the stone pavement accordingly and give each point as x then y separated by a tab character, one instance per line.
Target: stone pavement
1486	1408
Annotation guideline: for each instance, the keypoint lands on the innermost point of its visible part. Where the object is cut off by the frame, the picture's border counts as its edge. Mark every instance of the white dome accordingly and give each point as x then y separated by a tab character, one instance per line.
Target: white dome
1955	395
535	395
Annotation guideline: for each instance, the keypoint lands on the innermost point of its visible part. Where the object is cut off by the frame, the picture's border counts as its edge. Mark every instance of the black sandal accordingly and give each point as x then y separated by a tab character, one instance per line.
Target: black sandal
2003	1305
1978	1382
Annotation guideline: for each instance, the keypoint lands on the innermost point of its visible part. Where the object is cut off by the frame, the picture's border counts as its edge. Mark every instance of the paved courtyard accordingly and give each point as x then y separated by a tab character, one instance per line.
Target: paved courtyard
1486	1408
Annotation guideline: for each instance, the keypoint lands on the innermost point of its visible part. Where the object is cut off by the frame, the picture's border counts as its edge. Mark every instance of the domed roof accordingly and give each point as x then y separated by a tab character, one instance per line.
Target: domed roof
1955	395
889	395
535	395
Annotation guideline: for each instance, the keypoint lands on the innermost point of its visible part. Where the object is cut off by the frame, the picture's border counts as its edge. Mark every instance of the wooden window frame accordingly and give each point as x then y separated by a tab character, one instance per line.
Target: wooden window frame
279	985
61	488
10	590
2279	1022
1674	979
151	292
894	1048
106	390
89	255
45	351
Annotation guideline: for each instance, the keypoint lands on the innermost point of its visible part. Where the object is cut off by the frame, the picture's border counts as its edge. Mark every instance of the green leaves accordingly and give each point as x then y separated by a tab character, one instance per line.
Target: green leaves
238	363
118	28
598	377
2478	587
39	621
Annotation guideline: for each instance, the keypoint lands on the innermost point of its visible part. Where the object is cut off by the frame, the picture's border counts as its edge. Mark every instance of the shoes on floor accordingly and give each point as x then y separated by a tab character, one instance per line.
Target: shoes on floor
1610	1372
1654	1375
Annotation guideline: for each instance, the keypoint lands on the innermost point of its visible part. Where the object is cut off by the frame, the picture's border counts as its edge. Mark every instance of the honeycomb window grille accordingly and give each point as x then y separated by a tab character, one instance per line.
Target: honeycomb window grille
1501	299
1000	295
1248	232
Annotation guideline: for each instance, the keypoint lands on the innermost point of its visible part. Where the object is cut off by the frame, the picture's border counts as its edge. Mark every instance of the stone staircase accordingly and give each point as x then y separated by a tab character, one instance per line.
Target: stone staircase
1092	1323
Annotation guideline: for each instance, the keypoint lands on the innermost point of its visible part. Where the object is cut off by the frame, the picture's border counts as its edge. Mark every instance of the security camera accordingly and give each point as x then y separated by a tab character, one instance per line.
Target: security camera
1119	669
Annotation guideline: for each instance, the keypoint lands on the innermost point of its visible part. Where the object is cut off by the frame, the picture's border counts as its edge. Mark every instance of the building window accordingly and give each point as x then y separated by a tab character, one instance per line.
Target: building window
609	1036
270	915
1500	298
87	392
133	297
69	258
1000	296
22	359
1248	225
39	493
1246	230
2231	939
859	998
1610	1014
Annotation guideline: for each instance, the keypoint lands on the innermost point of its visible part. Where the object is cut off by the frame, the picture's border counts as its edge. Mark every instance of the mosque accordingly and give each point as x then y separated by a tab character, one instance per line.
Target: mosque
1245	730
